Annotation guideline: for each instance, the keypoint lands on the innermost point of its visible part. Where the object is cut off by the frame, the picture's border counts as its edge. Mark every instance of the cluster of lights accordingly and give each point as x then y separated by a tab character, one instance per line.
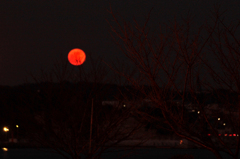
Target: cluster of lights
225	135
199	113
224	124
6	129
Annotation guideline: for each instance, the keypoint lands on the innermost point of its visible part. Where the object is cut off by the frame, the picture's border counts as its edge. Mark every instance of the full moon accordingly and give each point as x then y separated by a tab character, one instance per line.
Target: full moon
76	57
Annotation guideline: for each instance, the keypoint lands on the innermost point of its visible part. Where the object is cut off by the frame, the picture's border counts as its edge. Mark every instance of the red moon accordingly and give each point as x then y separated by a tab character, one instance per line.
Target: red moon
76	57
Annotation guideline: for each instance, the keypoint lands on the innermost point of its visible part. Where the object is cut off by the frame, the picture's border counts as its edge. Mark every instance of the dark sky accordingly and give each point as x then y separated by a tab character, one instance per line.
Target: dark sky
34	33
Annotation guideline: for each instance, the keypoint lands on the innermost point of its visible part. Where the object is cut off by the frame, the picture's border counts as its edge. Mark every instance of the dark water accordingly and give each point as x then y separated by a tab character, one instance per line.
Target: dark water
28	154
137	154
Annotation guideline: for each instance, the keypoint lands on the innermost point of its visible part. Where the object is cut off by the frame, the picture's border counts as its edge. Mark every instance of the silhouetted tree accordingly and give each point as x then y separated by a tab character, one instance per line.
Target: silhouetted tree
170	60
65	112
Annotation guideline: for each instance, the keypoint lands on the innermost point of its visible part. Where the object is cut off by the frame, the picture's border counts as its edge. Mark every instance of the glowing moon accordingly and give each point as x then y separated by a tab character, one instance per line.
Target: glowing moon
76	57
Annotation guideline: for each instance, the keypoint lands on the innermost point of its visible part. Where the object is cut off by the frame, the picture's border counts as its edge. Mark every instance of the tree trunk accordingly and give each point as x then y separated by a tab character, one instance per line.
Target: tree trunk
77	157
217	154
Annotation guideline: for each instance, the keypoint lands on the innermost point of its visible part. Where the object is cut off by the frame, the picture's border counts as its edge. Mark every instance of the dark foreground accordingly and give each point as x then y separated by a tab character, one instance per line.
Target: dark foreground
140	153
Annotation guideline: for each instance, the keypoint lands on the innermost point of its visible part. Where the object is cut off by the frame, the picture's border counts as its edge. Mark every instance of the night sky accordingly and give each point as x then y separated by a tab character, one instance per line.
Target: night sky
35	33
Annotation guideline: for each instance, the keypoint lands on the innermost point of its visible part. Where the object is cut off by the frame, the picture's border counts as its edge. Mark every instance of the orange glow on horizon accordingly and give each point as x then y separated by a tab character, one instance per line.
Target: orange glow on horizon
76	57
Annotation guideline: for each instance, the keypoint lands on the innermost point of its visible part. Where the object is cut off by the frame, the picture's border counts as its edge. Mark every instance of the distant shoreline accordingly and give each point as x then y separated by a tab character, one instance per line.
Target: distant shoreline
27	145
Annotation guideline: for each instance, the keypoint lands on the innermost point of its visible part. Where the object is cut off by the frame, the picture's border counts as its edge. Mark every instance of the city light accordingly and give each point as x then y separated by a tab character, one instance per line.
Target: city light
181	142
17	126
198	112
5	149
224	124
218	118
5	129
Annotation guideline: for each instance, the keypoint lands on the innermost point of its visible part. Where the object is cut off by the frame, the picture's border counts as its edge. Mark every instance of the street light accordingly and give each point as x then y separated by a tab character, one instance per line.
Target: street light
5	149
5	129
